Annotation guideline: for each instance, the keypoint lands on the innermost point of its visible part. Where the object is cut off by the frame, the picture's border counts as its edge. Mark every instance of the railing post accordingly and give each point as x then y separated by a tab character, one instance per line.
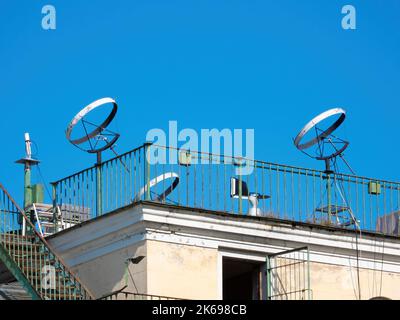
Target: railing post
147	169
99	197
240	189
328	173
329	195
54	200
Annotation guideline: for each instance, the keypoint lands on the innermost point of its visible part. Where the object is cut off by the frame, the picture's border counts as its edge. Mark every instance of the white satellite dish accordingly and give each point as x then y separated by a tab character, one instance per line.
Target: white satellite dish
160	179
328	148
323	136
97	137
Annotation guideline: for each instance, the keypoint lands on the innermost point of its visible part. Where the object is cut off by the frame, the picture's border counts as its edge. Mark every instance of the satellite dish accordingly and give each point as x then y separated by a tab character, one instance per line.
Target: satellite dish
160	197
316	133
323	137
96	137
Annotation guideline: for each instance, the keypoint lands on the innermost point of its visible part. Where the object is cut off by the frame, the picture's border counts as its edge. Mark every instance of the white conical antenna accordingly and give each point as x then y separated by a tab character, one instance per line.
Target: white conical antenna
28	149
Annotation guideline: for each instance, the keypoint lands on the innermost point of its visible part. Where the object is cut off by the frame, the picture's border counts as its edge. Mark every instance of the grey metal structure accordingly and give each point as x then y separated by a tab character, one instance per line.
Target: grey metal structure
329	211
99	131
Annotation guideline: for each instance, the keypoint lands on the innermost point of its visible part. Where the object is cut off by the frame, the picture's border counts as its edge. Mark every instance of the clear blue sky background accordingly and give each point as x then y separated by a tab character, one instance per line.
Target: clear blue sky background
206	64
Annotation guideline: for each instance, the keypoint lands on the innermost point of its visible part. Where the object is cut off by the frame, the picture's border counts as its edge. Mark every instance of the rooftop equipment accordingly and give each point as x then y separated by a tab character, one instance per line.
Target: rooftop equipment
28	163
239	189
99	138
327	148
95	138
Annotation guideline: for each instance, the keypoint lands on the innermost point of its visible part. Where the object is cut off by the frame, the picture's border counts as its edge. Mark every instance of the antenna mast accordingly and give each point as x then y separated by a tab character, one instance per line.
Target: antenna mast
95	140
328	148
28	163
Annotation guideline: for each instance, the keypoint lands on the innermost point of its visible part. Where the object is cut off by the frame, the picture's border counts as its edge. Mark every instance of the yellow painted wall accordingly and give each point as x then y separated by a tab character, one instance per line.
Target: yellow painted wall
190	272
340	283
181	271
108	273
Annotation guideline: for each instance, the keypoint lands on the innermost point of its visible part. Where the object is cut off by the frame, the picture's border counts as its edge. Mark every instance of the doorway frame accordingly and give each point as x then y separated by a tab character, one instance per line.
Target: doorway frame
240	255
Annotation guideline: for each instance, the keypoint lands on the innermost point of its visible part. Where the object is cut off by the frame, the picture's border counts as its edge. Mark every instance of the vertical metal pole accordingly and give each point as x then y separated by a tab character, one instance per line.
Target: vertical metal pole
328	188
28	162
308	274
240	189
329	195
27	194
99	196
55	222
147	170
27	185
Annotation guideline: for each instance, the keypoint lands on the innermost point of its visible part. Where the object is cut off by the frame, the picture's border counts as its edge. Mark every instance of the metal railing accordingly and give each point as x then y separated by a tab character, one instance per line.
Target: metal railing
290	193
30	258
126	295
288	275
100	189
135	296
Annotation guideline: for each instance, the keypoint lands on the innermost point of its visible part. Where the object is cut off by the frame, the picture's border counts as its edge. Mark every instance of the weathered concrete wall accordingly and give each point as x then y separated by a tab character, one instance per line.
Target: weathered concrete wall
98	251
183	251
110	272
181	271
340	283
190	272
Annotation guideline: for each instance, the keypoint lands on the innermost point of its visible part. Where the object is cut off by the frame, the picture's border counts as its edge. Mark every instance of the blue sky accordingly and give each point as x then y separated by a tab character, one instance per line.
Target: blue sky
267	65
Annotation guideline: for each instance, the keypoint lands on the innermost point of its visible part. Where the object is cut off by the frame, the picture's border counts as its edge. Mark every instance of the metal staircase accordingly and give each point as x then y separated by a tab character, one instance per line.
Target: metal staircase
30	258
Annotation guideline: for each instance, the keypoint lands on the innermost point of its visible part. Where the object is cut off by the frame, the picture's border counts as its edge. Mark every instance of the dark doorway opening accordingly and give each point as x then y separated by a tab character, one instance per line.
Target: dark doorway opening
242	279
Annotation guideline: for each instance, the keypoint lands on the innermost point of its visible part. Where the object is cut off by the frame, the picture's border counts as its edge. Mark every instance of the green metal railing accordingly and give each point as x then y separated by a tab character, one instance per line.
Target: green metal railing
288	275
126	295
100	189
135	296
30	258
296	194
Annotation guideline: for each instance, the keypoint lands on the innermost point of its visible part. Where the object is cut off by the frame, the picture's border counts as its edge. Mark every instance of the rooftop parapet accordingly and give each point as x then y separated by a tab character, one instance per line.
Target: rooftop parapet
213	182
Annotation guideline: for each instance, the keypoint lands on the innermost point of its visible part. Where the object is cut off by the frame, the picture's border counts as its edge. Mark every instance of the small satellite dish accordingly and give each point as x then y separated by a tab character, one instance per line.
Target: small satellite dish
96	137
160	197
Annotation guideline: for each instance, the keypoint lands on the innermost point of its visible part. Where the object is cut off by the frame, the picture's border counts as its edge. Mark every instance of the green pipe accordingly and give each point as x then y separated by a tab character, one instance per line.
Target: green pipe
27	186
